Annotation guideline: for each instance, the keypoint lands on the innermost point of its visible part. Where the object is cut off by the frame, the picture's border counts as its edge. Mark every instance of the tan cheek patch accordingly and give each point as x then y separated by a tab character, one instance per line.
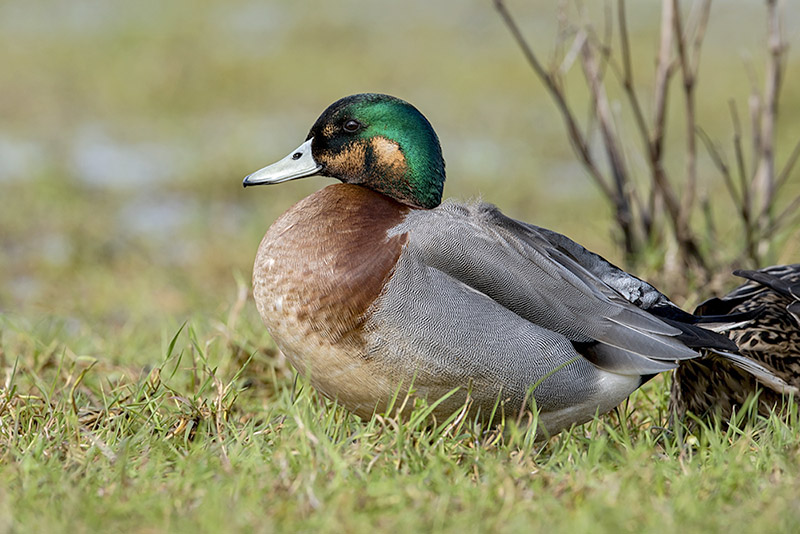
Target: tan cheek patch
348	162
388	154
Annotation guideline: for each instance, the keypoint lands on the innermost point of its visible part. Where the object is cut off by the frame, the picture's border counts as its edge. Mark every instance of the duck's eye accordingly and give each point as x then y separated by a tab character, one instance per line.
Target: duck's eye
351	126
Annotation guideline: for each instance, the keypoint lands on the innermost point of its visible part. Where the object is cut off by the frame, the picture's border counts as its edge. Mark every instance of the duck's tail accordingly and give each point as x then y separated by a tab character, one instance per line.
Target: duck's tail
705	331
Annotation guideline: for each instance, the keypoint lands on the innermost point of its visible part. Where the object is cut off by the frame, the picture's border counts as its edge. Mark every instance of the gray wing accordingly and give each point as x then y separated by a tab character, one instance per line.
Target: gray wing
634	290
522	270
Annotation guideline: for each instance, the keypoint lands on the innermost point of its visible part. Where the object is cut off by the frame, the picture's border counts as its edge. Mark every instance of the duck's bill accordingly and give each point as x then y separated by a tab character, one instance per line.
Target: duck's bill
298	164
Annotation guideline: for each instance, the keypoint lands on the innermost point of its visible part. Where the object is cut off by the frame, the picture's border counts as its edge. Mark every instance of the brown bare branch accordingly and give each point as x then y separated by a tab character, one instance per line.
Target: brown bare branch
662	187
752	190
689	68
765	176
627	76
592	72
783	176
646	209
564	27
608	35
783	217
577	140
699	34
663	74
746	206
740	164
622	20
722	167
688	92
755	107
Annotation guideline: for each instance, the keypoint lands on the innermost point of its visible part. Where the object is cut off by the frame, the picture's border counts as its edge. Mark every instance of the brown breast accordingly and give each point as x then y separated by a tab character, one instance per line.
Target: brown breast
319	268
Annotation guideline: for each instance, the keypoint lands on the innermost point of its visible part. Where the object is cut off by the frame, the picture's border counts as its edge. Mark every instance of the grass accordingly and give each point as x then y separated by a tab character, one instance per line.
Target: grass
218	437
140	392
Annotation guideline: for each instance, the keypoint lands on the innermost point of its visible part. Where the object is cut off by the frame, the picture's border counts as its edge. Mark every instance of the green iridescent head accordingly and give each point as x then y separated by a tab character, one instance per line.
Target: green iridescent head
374	140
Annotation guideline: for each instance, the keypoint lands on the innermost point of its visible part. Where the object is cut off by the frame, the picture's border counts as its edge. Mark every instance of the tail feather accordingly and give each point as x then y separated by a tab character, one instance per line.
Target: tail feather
780	280
761	372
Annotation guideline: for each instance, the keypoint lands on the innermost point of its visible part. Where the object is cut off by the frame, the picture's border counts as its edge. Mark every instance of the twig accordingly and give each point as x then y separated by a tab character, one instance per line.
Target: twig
700	33
787	213
783	176
754	188
740	164
608	35
625	44
722	167
688	91
561	35
765	177
689	68
746	205
646	210
661	185
577	139
754	106
574	51
627	76
663	73
611	142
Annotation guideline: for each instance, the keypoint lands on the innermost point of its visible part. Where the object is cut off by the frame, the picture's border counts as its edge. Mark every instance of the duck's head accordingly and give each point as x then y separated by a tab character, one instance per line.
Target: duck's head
373	140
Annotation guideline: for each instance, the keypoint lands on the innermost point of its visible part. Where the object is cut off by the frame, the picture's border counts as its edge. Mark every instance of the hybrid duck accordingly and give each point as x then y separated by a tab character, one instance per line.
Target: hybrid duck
373	287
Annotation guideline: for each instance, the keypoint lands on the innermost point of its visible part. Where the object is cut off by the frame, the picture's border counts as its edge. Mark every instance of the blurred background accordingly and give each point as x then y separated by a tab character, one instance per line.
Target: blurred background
127	127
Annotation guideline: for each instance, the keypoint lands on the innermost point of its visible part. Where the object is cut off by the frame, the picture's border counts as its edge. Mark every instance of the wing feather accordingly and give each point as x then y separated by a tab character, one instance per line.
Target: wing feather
541	281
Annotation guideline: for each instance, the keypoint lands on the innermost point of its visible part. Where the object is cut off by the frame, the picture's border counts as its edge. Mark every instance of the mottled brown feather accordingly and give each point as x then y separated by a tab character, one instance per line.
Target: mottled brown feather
713	385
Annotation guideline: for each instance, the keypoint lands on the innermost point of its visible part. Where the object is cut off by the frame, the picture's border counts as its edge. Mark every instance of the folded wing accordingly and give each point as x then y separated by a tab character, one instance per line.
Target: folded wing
537	276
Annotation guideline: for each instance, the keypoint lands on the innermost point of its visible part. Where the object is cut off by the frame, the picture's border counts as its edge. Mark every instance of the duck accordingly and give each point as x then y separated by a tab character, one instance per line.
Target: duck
375	288
768	360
